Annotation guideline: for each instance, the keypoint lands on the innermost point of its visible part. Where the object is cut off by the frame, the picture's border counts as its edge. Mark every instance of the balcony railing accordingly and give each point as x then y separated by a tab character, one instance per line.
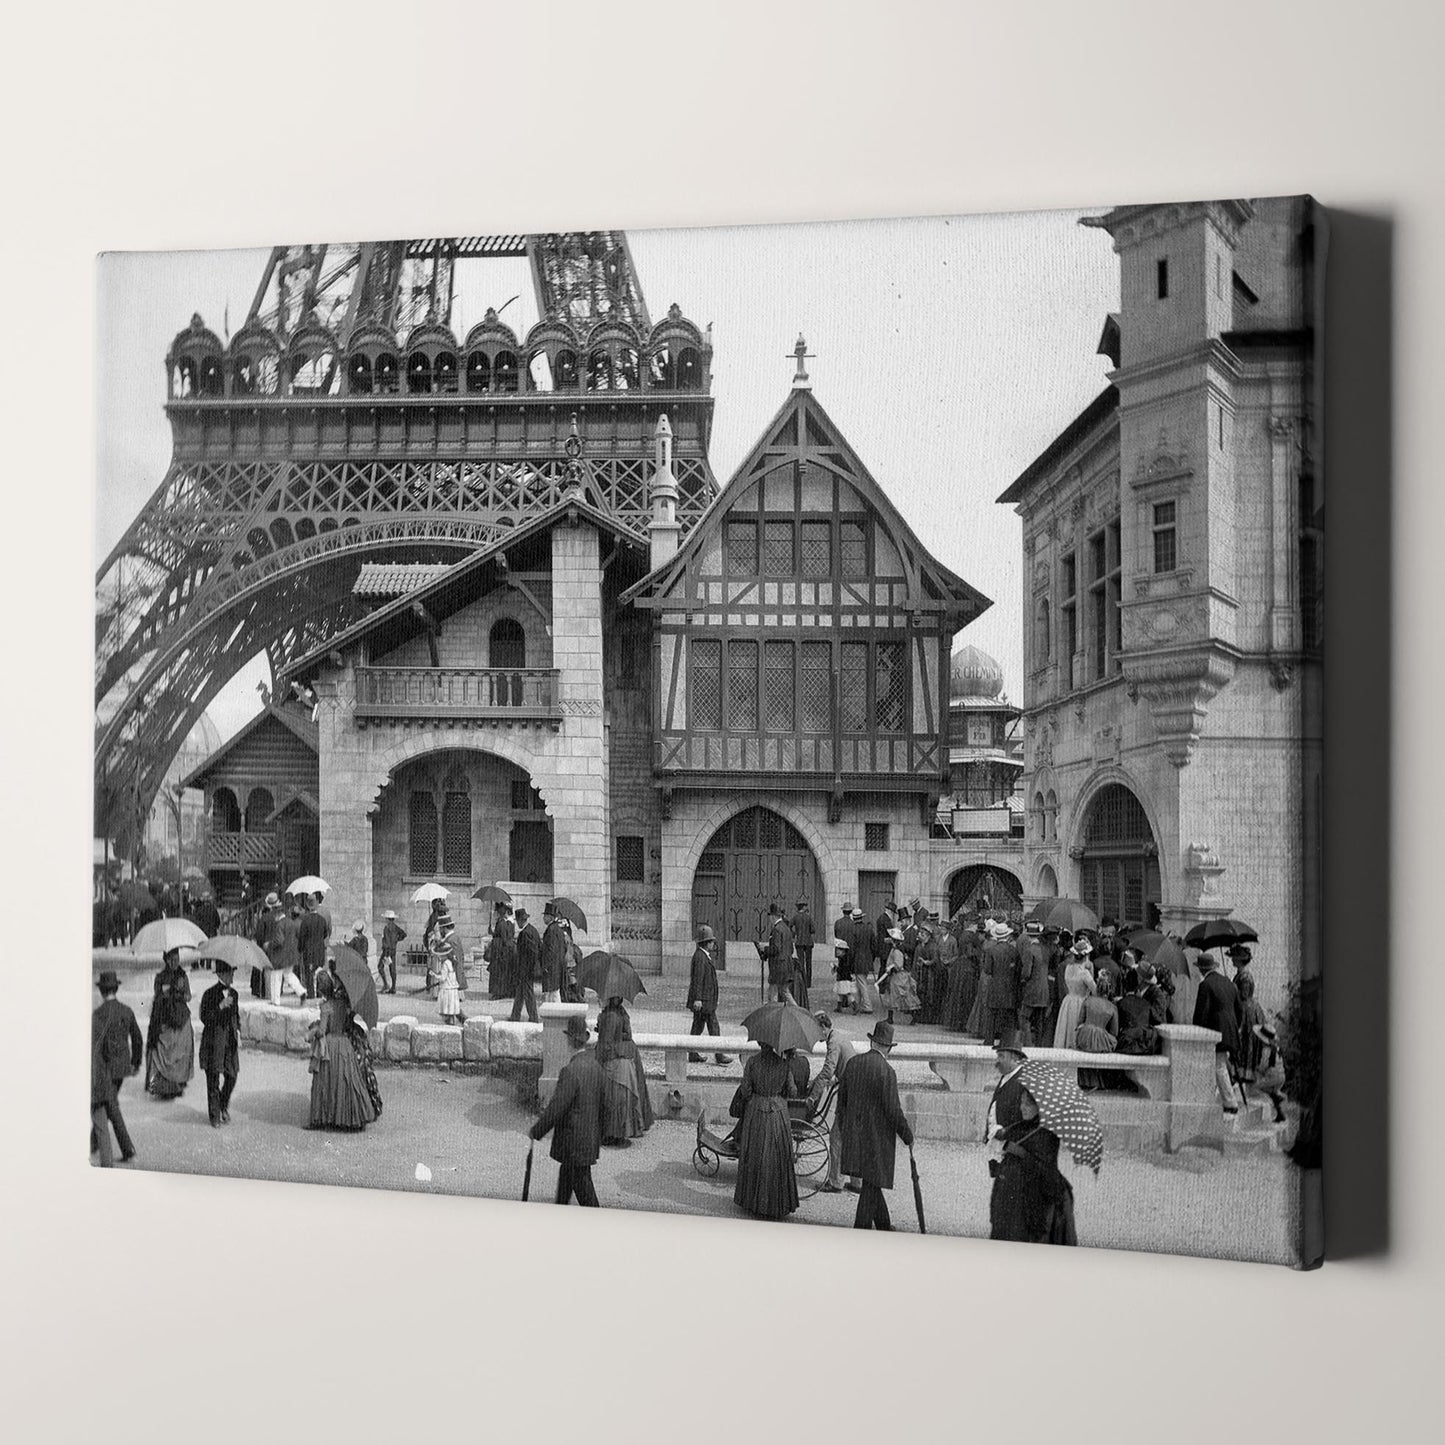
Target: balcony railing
241	850
457	692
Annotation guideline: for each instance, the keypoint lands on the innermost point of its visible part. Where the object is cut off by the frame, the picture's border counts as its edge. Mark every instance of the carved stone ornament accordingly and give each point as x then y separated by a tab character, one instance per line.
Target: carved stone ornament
1178	688
1202	872
1282	428
1041	576
1044	748
1163	461
1281	672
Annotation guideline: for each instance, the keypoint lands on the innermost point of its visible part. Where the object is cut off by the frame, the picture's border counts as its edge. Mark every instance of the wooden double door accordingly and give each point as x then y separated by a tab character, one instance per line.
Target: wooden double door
755	859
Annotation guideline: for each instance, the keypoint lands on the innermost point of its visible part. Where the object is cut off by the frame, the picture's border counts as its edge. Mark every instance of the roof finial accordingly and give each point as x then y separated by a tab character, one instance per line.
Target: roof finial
801	354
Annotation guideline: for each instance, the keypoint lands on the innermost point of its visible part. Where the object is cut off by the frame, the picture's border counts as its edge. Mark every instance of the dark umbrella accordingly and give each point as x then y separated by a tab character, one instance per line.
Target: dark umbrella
490	893
1068	913
572	911
1065	1112
783	1026
610	975
1160	950
356	979
1220	933
527	1173
135	896
917	1192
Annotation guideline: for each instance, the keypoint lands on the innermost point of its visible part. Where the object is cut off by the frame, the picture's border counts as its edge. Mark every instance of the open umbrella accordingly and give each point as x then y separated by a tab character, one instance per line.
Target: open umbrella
165	934
917	1191
356	978
1065	1112
1067	913
430	891
1160	950
572	912
490	893
610	975
240	953
310	883
134	896
1220	933
783	1026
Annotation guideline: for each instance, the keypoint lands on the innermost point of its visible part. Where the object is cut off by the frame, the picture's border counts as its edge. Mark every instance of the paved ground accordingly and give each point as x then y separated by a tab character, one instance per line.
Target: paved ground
468	1130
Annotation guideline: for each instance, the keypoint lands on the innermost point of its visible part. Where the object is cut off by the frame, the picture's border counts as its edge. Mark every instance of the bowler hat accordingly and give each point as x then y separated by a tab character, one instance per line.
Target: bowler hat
108	982
523	915
706	935
576	1029
223	967
882	1034
1009	1042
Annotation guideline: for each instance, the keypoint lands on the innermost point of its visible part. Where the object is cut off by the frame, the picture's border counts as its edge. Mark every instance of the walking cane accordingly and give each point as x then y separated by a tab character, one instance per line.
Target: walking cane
527	1175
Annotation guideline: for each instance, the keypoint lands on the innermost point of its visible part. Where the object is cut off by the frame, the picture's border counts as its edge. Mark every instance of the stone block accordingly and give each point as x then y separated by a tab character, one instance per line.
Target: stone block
449	1042
398	1037
297	1022
273	1025
506	1040
426	1042
476	1047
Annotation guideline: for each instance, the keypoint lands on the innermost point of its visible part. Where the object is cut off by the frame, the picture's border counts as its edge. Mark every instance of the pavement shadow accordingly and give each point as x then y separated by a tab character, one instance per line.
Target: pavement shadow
672	1181
271	1106
1359	391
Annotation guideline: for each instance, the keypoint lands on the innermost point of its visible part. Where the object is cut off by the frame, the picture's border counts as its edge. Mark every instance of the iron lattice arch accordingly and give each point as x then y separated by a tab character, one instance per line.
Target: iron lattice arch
253	540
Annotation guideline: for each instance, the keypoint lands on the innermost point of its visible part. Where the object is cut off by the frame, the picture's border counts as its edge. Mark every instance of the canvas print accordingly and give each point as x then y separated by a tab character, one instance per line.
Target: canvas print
812	724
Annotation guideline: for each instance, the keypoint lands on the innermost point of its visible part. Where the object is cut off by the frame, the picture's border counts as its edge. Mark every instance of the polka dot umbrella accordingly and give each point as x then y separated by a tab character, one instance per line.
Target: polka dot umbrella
1064	1111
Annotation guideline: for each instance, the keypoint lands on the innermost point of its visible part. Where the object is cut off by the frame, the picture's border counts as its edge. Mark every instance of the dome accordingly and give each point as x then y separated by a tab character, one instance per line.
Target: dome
973	673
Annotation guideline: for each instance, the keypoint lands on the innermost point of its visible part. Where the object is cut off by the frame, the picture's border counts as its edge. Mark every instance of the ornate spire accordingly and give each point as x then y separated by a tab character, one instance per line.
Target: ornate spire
801	354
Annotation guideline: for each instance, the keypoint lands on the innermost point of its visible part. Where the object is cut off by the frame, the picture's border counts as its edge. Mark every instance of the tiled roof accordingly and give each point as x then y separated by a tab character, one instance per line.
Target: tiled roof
395	579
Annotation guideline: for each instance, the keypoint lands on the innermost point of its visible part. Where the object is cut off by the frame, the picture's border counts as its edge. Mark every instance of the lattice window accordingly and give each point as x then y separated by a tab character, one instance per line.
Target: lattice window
525	798
457	830
875	837
891	683
705	665
853	548
816	539
815	690
743	686
853	686
792	838
712	861
770	830
740	544
422	810
778	558
631	859
778	688
745	829
1117	819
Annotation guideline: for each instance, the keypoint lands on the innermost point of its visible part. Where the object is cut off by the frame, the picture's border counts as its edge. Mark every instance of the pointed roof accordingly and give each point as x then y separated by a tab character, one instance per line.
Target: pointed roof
800	428
292	719
566	508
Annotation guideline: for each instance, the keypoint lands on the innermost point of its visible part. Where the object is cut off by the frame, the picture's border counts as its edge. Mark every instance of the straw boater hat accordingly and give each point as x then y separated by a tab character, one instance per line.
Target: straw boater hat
998	929
857	913
390	913
273	900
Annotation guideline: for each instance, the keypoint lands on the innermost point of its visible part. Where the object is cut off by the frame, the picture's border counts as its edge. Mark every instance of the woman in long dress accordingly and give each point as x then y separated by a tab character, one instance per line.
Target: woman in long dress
170	1040
1097	1033
962	977
629	1110
897	988
1078	985
503	961
340	1098
767	1187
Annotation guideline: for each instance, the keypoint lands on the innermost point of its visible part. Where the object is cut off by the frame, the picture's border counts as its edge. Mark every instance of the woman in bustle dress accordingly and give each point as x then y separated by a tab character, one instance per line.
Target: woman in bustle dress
340	1098
767	1187
629	1110
1078	985
170	1040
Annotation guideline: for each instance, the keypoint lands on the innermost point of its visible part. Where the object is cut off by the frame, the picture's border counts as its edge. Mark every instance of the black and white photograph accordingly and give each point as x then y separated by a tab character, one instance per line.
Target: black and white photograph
813	723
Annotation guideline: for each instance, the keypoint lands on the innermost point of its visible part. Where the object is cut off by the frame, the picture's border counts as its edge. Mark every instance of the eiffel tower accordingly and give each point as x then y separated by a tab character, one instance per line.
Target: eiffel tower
346	422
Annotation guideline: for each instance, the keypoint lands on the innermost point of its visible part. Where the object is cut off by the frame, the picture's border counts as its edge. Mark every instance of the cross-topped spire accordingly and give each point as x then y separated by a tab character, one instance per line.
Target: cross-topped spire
801	354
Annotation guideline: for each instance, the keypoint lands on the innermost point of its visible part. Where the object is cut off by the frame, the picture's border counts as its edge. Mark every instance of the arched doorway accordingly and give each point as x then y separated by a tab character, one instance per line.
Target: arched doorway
754	859
984	886
1119	869
1048	885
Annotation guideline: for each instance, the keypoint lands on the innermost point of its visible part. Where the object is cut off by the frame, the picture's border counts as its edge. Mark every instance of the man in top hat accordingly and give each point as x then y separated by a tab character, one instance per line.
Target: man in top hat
1031	1200
529	963
117	1049
1217	1006
220	1044
577	1111
865	974
702	991
555	955
1033	984
803	937
779	953
844	989
311	936
872	1120
392	933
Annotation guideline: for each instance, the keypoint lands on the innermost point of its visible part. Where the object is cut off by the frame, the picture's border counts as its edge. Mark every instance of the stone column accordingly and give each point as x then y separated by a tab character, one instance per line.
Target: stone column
1195	1113
344	825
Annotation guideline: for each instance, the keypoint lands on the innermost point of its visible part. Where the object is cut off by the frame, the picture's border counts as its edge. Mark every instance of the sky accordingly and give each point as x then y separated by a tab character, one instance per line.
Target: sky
950	352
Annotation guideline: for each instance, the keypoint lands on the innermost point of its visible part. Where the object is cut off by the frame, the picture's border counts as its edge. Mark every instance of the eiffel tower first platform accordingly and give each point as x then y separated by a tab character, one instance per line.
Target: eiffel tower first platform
346	422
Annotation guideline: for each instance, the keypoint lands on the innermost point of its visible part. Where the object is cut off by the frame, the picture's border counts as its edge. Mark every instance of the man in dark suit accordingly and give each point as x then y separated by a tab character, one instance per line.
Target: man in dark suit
311	938
872	1119
1033	985
220	1044
116	1038
779	952
843	960
529	959
702	991
577	1111
865	952
555	952
1001	965
803	932
1217	1006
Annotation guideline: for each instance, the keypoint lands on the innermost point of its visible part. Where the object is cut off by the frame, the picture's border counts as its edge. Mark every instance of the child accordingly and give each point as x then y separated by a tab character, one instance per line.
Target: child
449	996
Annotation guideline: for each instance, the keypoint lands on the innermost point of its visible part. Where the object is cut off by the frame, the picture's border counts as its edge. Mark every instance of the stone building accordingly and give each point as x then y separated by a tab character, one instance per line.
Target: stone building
1172	549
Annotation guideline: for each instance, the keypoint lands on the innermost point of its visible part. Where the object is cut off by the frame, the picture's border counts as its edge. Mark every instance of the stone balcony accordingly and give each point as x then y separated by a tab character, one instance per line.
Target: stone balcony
502	694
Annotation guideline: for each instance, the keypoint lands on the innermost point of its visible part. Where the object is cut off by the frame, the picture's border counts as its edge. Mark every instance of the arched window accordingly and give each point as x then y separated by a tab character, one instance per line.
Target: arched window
225	811
564	371
1048	882
183	379
628	377
1119	869
504	372
662	369
1041	632
689	369
259	807
1051	817
507	644
358	375
388	374
599	371
1036	818
479	372
456	826
422	835
444	373
418	373
212	377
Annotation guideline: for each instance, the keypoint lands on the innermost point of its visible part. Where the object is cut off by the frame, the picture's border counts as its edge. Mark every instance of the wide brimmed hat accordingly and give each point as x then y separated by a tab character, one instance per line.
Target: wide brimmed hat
896	933
108	982
999	929
824	1019
706	935
882	1034
1082	947
577	1030
359	926
857	913
273	900
1011	1042
390	913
